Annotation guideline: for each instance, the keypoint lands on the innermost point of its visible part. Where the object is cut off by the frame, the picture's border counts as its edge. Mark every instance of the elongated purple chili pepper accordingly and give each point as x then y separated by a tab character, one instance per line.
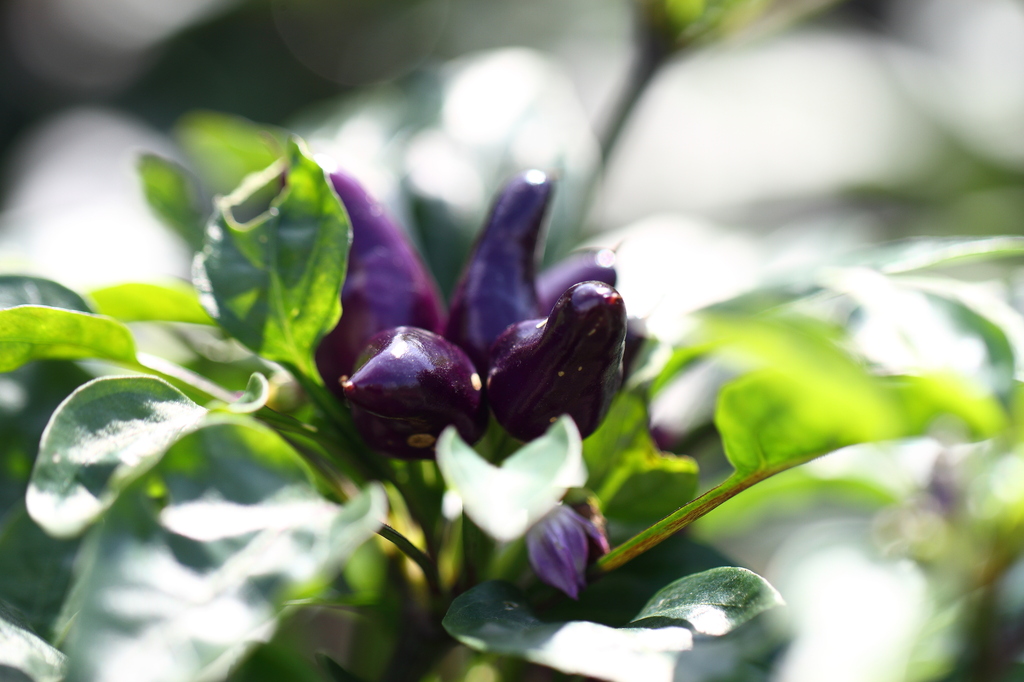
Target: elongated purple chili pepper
497	286
582	266
387	284
408	385
569	363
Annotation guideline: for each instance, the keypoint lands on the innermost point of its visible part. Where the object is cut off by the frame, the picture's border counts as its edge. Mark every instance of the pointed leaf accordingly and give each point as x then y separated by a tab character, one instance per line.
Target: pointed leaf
181	589
273	282
506	500
226	148
175	197
18	290
32	332
714	602
106	434
174	301
919	253
495	617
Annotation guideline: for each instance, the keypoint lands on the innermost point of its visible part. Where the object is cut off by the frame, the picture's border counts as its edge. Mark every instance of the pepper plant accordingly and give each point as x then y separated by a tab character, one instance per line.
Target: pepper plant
475	481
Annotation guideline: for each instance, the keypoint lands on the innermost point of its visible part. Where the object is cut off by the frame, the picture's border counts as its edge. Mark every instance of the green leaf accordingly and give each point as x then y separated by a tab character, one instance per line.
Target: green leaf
506	500
494	617
28	396
255	396
24	657
657	485
634	480
273	282
18	290
180	587
225	148
35	570
31	332
175	197
336	672
276	662
173	301
106	434
769	422
714	602
920	253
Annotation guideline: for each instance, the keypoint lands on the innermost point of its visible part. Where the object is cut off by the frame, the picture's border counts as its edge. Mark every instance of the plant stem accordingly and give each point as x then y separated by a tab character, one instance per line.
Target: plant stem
425	563
677	520
652	50
177	373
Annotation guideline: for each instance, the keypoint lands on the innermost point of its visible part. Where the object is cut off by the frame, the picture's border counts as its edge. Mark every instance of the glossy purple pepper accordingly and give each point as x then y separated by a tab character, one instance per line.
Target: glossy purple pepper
497	286
582	266
387	284
409	384
569	363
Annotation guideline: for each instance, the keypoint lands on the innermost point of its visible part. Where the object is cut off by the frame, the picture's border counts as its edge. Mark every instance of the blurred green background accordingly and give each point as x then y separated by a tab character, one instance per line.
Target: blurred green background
744	160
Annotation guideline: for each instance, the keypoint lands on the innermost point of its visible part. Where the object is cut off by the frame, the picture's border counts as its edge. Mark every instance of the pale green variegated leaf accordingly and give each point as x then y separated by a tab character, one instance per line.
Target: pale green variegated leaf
179	587
104	435
24	657
18	290
714	602
35	332
274	260
506	500
172	301
175	197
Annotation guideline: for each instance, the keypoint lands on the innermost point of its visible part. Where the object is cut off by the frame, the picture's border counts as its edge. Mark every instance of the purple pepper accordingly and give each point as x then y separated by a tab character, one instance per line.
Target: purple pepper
497	286
582	266
409	385
561	546
569	363
387	285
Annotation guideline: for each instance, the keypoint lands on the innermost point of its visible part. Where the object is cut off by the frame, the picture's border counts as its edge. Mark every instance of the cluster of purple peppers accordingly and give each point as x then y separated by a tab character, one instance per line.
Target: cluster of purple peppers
545	345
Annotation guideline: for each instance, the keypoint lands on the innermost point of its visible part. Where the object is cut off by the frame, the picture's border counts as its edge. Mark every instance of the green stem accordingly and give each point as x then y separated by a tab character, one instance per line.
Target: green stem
425	563
653	49
677	520
179	375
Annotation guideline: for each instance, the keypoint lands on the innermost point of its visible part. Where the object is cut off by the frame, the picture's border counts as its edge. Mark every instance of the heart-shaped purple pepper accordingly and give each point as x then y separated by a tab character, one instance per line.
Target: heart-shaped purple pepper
582	266
497	286
409	384
387	284
569	363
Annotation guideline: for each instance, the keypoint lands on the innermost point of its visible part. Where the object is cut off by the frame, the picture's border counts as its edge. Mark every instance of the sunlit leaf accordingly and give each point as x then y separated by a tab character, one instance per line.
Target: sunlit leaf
273	282
175	197
920	253
506	500
226	148
18	290
24	657
35	570
173	301
714	602
495	617
32	332
180	586
106	434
